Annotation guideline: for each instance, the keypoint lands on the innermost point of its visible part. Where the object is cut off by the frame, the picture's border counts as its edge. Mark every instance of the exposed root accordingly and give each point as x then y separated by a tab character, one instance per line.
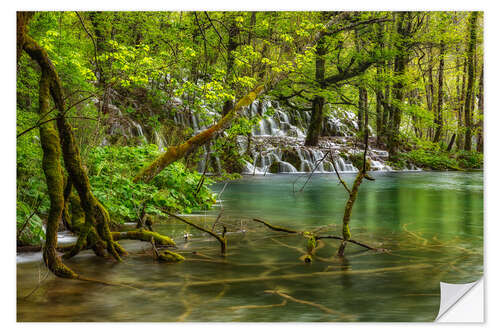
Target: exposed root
294	276
316	305
234	308
108	283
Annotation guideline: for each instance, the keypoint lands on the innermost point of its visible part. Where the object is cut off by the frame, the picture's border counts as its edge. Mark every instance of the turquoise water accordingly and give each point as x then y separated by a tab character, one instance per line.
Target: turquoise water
432	223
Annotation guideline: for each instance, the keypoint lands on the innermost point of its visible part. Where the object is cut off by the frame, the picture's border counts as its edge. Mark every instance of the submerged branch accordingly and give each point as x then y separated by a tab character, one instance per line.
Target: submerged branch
222	240
352	241
276	228
316	305
294	276
143	235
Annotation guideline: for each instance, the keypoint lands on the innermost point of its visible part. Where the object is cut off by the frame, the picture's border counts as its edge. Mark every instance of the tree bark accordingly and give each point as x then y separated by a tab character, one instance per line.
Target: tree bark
316	124
232	44
439	107
403	26
96	235
469	102
480	105
175	153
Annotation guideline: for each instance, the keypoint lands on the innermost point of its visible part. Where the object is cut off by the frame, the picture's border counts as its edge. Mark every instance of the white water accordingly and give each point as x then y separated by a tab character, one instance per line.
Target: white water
277	140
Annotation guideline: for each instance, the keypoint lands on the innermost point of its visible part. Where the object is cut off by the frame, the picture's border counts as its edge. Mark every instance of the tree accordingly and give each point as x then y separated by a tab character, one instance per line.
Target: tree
469	102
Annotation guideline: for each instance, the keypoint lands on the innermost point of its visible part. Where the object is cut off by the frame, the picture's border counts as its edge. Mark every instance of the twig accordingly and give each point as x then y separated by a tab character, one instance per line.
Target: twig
276	228
221	240
217	219
311	173
338	175
93	42
258	306
352	241
202	179
28	219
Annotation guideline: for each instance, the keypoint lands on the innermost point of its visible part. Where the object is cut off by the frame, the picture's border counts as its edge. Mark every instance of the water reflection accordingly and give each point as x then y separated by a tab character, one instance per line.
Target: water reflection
432	222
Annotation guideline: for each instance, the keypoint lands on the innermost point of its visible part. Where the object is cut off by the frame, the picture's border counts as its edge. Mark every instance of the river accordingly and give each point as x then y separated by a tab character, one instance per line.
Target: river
432	223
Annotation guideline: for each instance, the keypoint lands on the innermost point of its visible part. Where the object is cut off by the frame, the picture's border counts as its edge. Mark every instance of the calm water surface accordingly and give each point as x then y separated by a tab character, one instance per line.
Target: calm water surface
432	223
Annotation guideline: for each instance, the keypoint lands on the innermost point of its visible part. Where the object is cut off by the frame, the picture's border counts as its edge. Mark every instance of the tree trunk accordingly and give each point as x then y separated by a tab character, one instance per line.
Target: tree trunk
469	102
400	61
316	124
480	105
175	153
450	145
96	234
231	47
362	108
460	136
439	107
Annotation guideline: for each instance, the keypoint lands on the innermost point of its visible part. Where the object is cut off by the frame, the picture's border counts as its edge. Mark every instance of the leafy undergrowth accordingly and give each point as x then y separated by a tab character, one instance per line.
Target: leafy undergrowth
437	159
111	170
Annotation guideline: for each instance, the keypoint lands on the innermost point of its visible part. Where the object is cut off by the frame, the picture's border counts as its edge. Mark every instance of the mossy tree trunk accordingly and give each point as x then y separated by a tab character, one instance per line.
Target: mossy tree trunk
404	28
175	153
95	232
316	124
469	102
232	45
480	105
438	120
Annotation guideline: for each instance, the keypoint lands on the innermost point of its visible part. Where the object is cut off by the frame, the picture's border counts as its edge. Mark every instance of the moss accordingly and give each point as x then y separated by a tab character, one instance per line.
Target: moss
169	256
346	232
145	236
55	184
174	153
311	241
357	161
274	167
292	157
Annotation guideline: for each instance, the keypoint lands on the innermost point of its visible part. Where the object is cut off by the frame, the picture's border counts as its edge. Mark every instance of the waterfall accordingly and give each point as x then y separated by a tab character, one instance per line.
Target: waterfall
277	139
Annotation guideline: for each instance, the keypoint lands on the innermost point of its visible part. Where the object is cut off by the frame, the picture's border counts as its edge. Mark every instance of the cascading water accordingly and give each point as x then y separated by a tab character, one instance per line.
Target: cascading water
276	144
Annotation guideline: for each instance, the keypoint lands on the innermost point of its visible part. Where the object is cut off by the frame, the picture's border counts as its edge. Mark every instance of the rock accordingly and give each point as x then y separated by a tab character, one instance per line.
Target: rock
275	167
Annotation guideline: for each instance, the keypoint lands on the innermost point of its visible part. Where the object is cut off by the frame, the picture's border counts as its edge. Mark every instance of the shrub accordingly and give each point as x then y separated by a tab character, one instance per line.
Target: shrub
111	170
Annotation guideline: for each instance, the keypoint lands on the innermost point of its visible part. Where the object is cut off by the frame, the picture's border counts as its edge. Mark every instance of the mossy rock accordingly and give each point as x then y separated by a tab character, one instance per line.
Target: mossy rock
292	157
275	167
357	161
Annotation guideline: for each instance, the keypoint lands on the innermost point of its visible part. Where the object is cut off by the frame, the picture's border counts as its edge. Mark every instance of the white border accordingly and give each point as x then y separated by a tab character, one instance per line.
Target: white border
492	183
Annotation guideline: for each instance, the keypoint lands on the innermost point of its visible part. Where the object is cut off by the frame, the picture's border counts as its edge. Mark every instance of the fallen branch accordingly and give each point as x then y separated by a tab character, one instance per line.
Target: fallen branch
143	235
276	228
311	173
354	242
293	276
175	153
316	305
257	306
222	240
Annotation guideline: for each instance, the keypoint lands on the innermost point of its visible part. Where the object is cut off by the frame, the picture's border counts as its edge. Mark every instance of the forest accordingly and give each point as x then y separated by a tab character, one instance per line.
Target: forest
133	127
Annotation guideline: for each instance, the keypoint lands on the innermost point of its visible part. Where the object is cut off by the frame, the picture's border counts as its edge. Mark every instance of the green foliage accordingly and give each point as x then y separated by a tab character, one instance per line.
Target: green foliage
111	170
227	149
469	159
430	159
29	227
